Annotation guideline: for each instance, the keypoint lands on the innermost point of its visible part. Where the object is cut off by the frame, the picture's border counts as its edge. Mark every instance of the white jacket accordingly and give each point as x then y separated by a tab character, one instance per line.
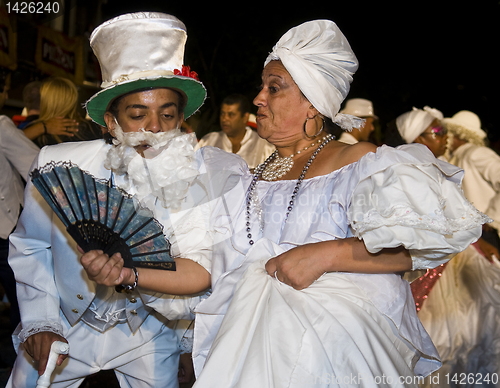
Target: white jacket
481	183
46	263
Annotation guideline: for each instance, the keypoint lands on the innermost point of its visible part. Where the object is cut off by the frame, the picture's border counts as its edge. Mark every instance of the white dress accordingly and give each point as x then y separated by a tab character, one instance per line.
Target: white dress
345	329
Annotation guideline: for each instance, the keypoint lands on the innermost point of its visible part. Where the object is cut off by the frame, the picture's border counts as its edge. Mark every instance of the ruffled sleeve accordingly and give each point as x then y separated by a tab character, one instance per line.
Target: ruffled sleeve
406	197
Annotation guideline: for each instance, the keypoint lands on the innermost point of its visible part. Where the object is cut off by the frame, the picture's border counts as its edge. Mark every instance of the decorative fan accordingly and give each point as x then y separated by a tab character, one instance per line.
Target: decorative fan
101	216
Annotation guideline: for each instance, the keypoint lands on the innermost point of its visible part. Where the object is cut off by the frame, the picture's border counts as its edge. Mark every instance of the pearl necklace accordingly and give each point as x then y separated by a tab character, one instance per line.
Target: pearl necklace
281	165
258	172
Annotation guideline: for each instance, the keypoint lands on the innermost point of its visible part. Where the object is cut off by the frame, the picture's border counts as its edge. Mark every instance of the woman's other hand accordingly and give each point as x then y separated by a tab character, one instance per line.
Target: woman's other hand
301	266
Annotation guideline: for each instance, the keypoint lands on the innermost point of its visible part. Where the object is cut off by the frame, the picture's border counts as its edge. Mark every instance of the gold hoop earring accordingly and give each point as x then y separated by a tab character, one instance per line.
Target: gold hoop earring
316	134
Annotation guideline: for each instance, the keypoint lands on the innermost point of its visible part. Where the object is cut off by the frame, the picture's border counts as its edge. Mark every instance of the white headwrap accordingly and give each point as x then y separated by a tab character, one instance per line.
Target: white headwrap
319	59
411	124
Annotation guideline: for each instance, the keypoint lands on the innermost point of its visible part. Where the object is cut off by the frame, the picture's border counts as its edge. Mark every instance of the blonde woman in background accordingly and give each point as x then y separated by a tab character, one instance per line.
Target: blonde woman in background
59	119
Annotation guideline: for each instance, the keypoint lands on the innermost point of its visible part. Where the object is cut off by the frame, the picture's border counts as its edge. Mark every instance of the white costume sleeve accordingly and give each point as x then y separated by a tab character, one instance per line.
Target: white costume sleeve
416	203
30	257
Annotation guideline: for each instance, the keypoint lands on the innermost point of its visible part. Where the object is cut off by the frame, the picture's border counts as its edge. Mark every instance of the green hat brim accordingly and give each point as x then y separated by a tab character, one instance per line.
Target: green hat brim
193	89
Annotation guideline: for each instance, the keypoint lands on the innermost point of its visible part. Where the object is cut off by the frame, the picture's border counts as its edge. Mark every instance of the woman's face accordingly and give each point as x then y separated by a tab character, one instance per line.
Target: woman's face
435	138
282	109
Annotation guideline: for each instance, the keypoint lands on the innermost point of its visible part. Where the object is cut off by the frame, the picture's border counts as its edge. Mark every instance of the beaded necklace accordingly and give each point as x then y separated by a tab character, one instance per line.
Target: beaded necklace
258	173
281	165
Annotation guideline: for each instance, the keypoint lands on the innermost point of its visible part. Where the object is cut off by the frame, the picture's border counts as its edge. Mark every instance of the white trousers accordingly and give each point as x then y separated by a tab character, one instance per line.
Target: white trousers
148	358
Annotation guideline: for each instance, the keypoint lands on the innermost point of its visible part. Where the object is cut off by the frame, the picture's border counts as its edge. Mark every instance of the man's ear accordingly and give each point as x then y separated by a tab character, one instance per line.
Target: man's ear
109	118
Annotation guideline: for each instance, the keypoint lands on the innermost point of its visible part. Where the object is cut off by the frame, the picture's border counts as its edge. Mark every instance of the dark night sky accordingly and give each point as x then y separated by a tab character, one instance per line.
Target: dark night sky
444	56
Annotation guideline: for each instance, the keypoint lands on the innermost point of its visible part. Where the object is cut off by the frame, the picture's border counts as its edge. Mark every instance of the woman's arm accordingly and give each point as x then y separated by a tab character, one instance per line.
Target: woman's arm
55	126
188	278
301	266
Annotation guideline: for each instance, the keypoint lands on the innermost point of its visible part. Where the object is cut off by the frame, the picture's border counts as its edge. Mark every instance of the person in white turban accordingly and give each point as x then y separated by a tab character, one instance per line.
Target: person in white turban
305	289
423	126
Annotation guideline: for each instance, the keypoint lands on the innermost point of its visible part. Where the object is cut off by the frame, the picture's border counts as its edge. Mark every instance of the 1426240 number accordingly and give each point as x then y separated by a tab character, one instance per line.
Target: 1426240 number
472	378
32	7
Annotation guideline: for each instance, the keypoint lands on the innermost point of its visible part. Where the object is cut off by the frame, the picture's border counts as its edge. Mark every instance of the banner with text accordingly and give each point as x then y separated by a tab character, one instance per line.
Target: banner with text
59	55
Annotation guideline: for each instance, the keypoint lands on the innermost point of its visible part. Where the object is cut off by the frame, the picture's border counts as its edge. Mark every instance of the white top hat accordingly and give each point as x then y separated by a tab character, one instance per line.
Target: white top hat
139	51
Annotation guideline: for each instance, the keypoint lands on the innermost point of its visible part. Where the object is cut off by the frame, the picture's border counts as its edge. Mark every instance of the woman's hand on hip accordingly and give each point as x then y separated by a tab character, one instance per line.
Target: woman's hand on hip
299	267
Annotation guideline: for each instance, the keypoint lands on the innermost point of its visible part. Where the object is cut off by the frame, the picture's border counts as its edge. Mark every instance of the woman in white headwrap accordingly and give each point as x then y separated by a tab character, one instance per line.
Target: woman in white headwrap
423	126
332	224
304	283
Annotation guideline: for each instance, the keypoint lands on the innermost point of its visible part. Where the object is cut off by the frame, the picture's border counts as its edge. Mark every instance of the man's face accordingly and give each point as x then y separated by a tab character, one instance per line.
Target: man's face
155	110
232	121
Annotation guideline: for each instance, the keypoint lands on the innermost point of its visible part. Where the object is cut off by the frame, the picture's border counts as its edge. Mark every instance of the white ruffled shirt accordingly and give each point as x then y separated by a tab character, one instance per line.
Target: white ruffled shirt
254	150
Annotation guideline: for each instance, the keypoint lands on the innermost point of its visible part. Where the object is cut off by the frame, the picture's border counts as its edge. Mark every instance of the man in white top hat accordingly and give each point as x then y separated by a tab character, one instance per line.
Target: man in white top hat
363	108
481	183
147	93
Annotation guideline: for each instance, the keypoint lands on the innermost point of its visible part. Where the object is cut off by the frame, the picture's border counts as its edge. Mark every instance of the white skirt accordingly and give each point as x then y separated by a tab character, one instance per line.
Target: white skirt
327	335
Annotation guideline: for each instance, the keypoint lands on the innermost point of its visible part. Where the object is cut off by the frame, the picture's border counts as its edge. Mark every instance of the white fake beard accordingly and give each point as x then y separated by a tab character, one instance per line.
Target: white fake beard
166	171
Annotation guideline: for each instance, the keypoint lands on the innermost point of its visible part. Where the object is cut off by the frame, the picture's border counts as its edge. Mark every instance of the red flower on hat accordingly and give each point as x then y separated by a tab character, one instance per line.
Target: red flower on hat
186	72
